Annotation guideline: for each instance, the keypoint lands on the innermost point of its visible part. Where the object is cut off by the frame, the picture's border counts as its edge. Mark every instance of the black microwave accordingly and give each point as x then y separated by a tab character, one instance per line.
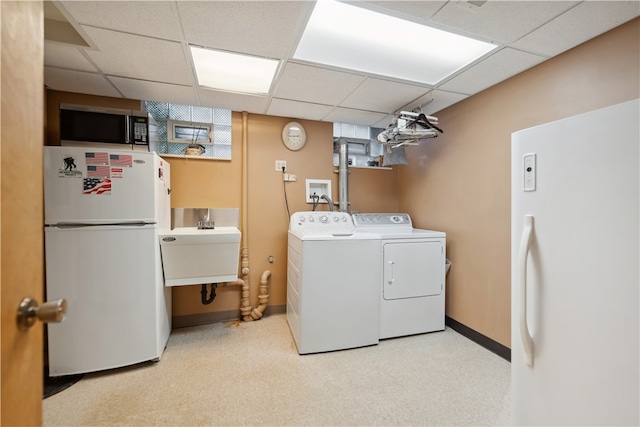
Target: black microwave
85	124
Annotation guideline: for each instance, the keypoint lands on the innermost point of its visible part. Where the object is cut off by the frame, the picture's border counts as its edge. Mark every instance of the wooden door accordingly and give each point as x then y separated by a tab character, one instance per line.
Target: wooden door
21	254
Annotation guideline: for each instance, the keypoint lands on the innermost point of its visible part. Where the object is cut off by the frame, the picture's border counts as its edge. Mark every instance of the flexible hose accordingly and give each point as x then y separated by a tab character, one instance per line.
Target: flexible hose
324	196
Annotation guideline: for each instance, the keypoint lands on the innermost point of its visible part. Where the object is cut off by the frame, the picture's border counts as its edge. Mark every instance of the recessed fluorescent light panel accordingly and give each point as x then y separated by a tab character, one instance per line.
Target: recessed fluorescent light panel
232	71
346	36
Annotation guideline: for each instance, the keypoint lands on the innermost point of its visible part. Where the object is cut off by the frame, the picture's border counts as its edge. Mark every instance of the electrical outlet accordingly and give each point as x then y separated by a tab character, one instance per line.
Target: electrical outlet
289	177
280	164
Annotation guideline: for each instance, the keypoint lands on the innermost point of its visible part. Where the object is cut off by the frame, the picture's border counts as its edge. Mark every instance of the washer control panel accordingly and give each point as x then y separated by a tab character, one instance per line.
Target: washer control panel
382	220
322	222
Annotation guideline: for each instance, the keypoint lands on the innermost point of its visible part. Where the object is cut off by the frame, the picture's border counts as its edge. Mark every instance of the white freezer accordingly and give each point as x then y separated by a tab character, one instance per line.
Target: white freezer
575	270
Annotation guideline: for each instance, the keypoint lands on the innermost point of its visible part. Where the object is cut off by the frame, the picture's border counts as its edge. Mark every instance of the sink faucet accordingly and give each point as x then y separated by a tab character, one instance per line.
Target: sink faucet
206	223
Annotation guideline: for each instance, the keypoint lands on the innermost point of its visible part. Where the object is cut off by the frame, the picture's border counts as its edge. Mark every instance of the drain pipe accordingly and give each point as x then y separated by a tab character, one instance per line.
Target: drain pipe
245	299
248	314
343	176
263	296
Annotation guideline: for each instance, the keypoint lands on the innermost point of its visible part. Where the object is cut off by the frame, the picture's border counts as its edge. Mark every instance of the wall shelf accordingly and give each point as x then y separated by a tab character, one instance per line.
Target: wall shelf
182	156
383	168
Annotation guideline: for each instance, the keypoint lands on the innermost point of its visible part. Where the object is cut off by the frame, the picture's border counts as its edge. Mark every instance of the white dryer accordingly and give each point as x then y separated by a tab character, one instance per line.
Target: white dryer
412	286
332	297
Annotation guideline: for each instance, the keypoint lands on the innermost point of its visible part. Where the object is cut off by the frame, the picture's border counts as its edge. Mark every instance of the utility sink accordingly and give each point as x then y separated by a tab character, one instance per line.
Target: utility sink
193	256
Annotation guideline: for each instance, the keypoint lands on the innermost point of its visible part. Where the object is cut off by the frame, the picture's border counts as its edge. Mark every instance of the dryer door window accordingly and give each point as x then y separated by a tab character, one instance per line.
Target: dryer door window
412	269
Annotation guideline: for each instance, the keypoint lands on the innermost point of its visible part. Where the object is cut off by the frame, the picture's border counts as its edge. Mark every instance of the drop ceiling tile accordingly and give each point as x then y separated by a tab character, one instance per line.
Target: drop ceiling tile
263	28
382	95
150	18
232	101
65	56
355	117
496	68
385	122
154	91
321	86
413	10
296	109
435	101
79	82
500	21
139	57
582	23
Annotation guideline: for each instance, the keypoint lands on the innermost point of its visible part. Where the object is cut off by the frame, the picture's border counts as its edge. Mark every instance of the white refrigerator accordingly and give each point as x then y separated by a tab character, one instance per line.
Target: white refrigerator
103	211
575	270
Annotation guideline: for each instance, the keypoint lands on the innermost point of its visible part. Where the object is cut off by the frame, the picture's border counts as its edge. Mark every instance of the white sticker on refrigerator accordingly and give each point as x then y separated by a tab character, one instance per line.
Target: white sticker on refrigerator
69	168
116	172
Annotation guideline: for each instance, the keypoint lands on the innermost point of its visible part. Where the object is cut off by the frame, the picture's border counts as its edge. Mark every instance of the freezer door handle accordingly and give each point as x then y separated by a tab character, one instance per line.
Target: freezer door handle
525	243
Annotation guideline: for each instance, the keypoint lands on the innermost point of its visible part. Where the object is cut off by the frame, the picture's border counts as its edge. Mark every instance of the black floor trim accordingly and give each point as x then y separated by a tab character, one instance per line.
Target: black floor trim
54	385
478	338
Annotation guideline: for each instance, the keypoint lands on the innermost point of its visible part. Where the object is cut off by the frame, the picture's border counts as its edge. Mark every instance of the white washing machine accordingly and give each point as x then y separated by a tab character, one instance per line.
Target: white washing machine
332	300
412	282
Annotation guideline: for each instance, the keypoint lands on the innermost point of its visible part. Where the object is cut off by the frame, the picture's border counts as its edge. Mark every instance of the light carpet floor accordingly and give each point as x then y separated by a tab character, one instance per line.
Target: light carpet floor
250	373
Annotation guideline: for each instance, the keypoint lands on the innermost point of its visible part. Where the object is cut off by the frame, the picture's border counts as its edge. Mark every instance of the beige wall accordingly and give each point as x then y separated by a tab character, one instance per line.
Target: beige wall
460	182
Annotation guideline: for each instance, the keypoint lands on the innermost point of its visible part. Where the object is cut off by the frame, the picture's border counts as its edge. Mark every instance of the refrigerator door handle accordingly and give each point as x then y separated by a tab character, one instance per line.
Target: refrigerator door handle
525	242
65	225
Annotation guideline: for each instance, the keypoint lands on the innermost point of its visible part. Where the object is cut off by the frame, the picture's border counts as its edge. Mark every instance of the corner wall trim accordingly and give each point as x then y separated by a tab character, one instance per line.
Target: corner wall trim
478	338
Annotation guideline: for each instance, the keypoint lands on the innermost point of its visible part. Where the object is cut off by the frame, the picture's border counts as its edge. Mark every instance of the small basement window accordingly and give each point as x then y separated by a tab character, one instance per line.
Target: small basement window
174	127
189	132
